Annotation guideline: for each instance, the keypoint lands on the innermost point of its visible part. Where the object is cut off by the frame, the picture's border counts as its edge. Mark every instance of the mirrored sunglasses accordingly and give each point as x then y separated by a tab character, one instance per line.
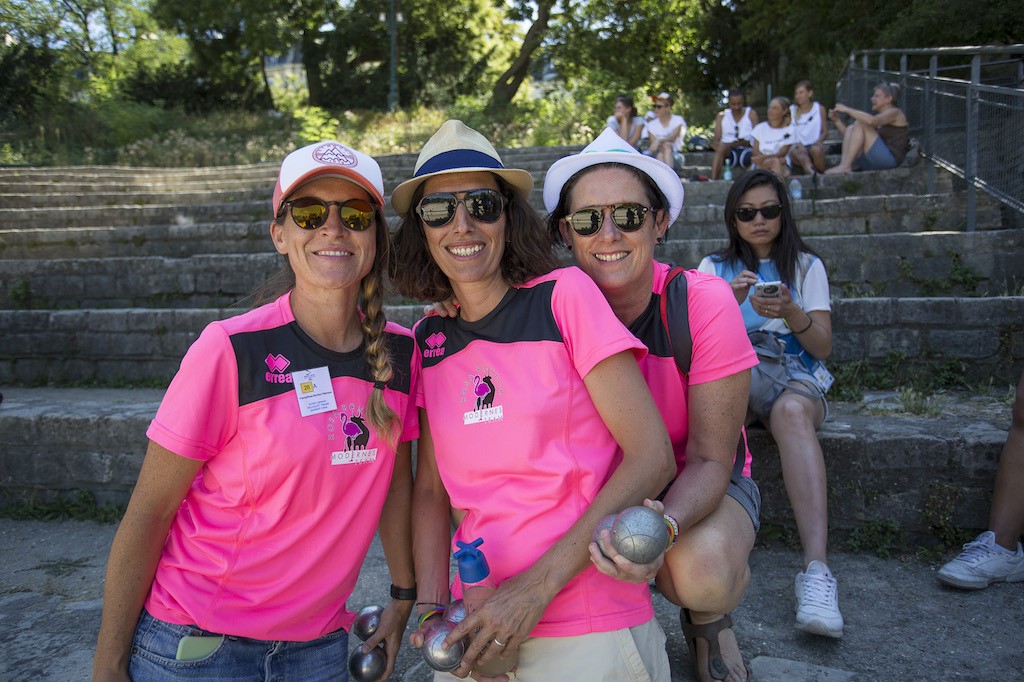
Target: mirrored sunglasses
311	213
437	210
747	213
627	217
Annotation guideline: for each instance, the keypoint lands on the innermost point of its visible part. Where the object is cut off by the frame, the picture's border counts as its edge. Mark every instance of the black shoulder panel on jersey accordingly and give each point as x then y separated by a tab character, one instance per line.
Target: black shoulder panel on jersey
266	358
523	315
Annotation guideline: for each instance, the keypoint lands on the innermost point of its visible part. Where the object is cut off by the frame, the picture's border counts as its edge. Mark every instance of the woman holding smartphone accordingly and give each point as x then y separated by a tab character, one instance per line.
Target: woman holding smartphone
791	314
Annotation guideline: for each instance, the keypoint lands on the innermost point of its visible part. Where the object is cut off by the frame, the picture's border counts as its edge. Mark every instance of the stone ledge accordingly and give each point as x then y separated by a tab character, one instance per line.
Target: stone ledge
984	335
880	468
858	266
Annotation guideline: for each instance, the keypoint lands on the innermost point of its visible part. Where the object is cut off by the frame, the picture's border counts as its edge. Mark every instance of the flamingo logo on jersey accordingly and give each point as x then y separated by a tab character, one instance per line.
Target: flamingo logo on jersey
484	409
347	424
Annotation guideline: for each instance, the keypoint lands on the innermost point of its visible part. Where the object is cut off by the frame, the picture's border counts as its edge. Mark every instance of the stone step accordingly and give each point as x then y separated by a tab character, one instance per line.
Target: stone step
980	338
174	194
101	190
58	440
106	193
173	233
525	157
85	213
919	264
902	264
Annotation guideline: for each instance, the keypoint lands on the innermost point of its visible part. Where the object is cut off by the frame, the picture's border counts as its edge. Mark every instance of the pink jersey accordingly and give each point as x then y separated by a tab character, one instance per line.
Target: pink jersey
270	538
720	349
520	445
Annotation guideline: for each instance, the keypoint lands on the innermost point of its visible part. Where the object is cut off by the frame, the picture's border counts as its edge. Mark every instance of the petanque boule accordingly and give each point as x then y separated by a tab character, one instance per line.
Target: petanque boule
455	612
434	654
640	534
367	621
367	667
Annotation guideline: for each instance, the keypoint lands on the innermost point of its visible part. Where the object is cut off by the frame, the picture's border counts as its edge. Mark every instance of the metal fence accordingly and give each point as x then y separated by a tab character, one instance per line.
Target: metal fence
965	106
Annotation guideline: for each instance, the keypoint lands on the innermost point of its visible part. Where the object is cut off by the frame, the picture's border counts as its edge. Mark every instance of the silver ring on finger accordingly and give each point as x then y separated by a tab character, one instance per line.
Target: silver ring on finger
501	644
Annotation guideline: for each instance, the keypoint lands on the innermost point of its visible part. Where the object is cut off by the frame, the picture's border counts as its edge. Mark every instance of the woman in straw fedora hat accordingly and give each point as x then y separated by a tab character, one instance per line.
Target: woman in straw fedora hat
535	424
253	513
698	370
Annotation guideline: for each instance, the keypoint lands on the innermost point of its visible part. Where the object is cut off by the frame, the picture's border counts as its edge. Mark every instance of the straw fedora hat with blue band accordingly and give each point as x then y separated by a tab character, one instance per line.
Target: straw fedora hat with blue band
457	148
610	148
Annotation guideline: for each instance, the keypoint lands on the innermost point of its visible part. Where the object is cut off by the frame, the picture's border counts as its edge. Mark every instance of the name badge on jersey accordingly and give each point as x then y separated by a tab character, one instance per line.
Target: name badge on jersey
314	391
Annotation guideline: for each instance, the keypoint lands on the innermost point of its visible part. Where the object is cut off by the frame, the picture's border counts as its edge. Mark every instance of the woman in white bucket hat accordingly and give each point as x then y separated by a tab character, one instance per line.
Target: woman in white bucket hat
536	424
698	369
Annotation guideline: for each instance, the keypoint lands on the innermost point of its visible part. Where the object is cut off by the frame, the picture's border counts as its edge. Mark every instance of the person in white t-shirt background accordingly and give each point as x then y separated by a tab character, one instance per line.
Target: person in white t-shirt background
733	128
810	125
666	132
773	138
626	121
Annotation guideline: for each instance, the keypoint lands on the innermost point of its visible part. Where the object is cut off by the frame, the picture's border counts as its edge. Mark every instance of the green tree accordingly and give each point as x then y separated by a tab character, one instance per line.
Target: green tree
229	42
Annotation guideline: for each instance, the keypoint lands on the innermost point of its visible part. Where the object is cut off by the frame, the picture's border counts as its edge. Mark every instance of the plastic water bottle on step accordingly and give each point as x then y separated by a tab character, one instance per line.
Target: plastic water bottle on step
727	175
795	190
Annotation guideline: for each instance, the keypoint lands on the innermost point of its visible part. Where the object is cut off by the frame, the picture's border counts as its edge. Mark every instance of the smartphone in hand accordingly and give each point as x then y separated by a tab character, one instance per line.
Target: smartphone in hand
768	289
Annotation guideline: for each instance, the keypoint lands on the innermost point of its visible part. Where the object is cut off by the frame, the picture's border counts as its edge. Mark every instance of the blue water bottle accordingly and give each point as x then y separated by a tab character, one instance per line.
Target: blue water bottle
477	587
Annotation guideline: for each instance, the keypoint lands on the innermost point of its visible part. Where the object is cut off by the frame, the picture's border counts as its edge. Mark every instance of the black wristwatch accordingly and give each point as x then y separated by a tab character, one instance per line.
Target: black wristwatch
403	593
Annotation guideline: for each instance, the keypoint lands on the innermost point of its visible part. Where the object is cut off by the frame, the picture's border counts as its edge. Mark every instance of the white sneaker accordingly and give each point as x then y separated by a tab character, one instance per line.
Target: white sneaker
817	601
983	562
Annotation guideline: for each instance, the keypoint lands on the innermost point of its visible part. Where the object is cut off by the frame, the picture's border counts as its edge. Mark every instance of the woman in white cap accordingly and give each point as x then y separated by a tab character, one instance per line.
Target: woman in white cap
698	369
281	446
536	424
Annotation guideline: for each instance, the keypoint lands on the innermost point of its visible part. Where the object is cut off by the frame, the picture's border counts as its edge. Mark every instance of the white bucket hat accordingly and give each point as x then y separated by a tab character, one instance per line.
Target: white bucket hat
325	159
457	148
610	148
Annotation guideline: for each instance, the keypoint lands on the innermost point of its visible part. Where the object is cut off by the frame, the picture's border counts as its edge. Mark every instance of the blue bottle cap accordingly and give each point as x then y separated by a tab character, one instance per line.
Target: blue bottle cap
473	566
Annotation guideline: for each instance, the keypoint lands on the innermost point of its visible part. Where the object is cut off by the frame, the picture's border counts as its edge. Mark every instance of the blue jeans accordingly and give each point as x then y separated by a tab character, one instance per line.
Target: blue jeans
236	658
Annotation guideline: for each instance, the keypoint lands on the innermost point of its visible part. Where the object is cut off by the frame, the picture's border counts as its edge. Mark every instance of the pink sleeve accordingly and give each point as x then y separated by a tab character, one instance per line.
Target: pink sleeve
199	412
590	330
720	344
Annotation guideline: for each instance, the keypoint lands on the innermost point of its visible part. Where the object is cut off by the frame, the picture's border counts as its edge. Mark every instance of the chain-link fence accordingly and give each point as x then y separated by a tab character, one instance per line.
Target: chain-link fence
965	107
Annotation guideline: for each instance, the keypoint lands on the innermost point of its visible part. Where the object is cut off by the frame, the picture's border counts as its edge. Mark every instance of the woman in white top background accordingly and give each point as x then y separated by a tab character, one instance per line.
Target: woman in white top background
626	121
810	125
733	128
666	132
773	138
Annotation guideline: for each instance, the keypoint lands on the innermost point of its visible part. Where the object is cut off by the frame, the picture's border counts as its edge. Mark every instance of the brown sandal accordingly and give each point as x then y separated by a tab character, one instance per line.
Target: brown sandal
709	633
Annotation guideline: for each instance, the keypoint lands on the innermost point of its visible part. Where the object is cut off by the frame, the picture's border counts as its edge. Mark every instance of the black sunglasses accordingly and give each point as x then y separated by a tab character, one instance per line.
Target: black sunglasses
437	210
627	217
747	213
311	213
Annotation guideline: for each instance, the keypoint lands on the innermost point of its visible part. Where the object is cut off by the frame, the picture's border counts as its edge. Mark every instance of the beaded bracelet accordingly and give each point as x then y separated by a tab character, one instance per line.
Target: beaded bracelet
673	530
432	613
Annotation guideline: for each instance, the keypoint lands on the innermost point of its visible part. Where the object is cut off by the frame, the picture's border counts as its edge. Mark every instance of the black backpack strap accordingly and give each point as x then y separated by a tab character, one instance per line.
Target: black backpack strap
675	316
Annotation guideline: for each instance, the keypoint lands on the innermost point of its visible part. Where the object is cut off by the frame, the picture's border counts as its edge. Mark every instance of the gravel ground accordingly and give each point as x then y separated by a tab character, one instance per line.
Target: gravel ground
900	623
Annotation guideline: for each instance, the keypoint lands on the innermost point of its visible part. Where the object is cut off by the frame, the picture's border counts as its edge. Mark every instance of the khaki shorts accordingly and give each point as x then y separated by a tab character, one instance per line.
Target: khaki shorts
635	654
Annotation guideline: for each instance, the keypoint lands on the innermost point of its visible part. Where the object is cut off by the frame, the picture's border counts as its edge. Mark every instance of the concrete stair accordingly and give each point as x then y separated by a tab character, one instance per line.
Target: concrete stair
107	274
